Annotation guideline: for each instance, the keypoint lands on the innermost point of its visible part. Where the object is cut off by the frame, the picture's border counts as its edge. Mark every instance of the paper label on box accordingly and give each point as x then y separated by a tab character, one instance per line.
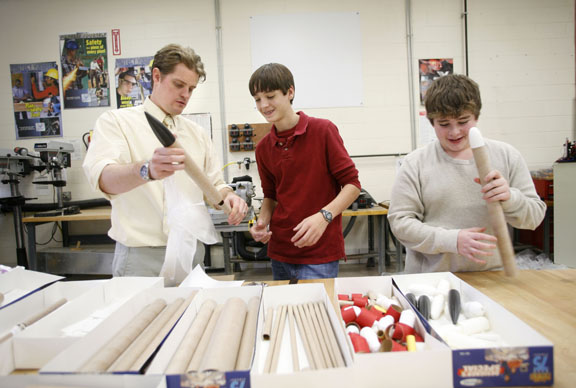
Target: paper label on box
500	367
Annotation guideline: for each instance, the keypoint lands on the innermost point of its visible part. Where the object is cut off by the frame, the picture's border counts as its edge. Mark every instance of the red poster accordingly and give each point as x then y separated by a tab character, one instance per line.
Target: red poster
116	46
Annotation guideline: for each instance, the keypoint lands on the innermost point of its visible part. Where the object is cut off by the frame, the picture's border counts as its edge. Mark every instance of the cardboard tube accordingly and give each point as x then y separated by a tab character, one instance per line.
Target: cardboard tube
495	212
41	314
212	195
293	346
223	349
278	344
248	335
200	350
153	345
304	337
102	360
312	337
331	336
185	351
268	324
136	349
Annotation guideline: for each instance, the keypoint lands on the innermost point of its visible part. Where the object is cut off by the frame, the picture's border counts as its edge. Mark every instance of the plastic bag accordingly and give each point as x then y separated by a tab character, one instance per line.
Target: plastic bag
188	222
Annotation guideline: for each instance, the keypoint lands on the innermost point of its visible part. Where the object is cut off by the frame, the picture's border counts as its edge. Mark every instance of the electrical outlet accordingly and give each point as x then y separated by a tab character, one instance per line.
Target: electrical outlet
67	196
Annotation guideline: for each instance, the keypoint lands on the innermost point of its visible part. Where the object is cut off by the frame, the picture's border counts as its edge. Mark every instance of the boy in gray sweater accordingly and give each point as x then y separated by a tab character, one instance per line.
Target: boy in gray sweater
436	209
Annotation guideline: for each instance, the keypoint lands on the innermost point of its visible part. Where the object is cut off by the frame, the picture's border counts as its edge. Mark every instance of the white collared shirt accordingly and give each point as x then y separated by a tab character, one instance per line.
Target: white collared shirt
124	136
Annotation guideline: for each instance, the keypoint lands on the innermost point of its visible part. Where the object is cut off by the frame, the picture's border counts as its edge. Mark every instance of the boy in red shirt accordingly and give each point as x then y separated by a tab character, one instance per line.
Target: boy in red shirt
308	180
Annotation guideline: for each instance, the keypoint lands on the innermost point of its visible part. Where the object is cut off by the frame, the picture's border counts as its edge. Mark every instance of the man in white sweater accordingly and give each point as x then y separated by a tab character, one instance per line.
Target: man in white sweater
436	209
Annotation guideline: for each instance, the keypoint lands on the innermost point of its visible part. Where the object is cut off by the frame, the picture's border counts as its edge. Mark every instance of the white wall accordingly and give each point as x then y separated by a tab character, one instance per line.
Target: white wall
521	52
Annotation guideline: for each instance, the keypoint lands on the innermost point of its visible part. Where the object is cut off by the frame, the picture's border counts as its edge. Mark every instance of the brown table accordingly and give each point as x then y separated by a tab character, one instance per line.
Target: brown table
544	299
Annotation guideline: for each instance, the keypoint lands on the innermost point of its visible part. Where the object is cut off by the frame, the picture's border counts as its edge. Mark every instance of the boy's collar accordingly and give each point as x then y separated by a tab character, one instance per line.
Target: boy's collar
299	129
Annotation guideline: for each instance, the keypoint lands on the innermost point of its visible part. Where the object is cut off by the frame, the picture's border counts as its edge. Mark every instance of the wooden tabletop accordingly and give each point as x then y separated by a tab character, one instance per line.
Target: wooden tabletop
373	211
93	214
544	299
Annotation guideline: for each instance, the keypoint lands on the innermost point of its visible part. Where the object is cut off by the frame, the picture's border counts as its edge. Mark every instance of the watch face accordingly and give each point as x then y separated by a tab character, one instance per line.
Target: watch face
327	215
144	172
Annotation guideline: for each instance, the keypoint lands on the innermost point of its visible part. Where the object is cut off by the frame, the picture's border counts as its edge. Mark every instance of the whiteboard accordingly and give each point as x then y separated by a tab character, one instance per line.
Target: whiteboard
322	50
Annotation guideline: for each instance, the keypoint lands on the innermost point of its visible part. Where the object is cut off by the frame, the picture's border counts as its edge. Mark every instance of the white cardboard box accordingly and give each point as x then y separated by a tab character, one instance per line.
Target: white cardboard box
20	282
16	313
166	352
43	340
76	355
429	367
285	375
526	360
75	381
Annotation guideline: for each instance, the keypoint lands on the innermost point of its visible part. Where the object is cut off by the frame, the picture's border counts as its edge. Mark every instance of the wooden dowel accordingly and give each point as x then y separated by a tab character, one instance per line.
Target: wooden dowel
314	346
293	342
248	335
41	314
319	335
102	360
304	337
273	339
223	349
278	345
269	318
331	336
325	330
153	345
200	350
135	350
183	354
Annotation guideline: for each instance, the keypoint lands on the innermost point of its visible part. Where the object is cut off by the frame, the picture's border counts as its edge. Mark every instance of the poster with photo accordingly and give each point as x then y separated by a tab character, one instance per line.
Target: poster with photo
430	69
36	98
133	81
84	61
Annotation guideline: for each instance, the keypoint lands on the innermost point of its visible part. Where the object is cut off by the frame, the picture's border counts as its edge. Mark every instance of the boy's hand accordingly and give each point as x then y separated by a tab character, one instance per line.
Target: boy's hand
497	188
260	232
471	245
309	231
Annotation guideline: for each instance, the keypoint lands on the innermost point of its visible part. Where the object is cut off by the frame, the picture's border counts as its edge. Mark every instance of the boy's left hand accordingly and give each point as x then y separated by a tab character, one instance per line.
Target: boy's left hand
309	231
497	188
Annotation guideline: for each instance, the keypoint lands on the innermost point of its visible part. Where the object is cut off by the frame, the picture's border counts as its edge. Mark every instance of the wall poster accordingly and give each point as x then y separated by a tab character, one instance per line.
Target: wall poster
133	81
36	98
84	62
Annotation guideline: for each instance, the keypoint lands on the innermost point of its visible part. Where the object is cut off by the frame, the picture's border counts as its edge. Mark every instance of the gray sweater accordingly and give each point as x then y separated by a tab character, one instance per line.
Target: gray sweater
434	196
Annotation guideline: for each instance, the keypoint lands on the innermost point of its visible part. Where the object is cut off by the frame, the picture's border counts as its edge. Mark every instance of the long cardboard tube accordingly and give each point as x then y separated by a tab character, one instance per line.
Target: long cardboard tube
212	195
293	344
331	336
320	335
102	360
495	212
130	355
185	351
41	314
153	345
278	345
312	339
273	339
200	350
223	349
168	140
304	337
268	323
248	335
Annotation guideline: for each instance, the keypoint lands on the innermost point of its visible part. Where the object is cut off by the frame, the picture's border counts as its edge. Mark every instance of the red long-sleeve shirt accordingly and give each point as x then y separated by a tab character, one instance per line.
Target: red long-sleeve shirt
304	169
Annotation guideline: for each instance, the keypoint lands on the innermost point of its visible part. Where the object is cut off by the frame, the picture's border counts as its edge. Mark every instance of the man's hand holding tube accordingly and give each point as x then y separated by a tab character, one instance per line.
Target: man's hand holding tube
167	160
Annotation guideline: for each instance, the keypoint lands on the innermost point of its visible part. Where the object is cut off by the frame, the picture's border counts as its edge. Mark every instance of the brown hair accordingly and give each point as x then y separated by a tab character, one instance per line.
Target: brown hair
270	77
451	96
171	55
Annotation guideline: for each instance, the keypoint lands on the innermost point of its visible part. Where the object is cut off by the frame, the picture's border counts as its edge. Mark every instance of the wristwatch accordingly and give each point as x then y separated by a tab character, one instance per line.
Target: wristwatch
327	215
145	171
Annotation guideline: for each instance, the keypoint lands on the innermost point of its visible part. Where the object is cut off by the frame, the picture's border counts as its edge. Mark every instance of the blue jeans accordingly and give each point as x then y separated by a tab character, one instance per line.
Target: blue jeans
287	271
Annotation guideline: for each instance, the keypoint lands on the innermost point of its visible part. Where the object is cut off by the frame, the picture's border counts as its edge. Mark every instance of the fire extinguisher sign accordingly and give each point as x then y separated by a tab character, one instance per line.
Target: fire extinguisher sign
116	46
